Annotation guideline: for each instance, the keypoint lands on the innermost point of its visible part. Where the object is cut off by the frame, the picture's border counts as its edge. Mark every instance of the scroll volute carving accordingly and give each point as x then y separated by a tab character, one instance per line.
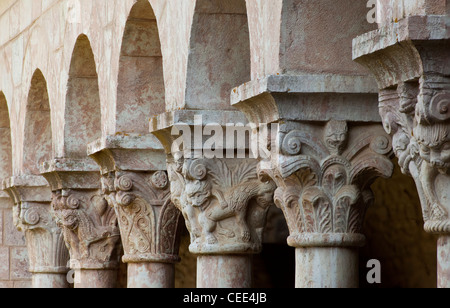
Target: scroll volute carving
417	116
324	176
149	222
90	228
223	201
46	250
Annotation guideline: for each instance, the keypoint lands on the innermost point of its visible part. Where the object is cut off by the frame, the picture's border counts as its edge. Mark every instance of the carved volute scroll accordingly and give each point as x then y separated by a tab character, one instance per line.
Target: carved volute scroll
223	202
135	183
90	228
323	174
89	225
416	115
412	76
32	215
148	220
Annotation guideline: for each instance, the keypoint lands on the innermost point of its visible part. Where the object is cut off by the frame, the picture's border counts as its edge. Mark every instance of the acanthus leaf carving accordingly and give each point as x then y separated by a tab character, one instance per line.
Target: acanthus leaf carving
45	243
148	220
89	226
326	189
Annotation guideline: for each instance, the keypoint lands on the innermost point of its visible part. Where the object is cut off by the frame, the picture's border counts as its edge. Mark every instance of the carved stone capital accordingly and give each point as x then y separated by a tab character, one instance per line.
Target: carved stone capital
326	148
140	194
323	174
420	138
89	225
223	202
412	72
32	215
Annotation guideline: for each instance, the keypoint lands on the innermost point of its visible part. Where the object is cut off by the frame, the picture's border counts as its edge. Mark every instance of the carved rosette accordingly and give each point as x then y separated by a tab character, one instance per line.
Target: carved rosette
323	175
148	220
417	116
223	201
90	228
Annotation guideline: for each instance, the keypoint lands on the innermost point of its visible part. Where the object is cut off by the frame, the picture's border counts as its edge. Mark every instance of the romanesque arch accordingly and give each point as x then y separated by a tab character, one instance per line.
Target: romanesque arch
82	109
219	53
37	147
140	92
5	140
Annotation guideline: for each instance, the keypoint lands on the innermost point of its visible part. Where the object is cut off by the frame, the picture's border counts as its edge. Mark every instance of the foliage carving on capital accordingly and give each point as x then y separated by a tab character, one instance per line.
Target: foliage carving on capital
323	177
223	201
89	226
417	116
45	243
148	220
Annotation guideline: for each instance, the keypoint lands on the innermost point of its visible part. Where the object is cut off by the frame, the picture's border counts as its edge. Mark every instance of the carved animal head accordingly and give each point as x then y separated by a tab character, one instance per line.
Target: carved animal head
265	197
336	136
434	143
197	193
69	219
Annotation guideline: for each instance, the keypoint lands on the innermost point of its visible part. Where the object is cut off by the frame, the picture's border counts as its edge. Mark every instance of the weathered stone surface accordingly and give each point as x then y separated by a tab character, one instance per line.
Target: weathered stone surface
89	225
75	71
323	160
45	253
4	267
414	98
19	263
136	185
13	237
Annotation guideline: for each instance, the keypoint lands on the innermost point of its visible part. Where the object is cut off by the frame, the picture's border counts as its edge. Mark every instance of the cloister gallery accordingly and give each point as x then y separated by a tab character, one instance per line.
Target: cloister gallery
224	143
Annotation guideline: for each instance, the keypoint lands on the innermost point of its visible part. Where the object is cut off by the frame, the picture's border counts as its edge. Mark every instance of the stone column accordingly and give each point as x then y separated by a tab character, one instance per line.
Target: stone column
221	197
135	183
48	256
89	225
412	69
326	149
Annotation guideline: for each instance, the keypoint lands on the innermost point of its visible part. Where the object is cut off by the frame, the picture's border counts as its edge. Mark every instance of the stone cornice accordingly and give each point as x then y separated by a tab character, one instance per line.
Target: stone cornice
295	98
406	50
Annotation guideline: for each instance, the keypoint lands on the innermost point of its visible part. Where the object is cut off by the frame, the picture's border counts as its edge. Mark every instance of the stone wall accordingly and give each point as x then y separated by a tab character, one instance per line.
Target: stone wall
13	253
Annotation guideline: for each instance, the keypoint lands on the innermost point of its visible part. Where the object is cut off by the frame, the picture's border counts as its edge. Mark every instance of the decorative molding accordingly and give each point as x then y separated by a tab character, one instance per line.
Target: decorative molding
90	228
416	114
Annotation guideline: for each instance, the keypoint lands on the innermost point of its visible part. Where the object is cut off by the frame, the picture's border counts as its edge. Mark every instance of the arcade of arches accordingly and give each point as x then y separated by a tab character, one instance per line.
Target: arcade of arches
355	116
